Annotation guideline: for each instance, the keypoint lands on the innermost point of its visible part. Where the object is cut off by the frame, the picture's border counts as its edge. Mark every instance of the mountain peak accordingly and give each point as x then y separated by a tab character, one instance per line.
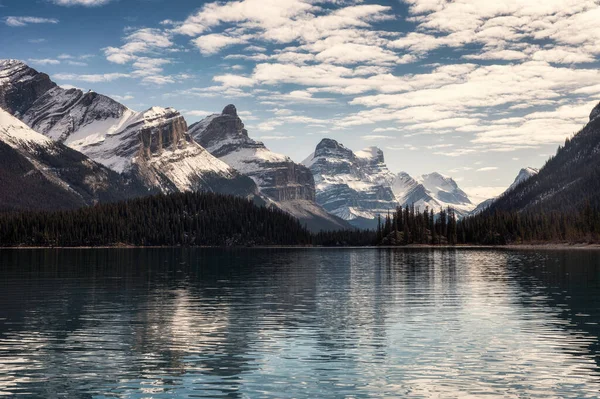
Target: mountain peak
10	63
332	148
230	110
524	174
595	112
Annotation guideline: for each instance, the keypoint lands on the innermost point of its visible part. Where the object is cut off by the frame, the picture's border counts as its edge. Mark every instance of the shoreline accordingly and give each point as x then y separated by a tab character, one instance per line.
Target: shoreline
542	246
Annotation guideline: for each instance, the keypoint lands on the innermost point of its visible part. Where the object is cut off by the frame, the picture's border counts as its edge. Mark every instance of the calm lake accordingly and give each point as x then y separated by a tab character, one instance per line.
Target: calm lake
299	323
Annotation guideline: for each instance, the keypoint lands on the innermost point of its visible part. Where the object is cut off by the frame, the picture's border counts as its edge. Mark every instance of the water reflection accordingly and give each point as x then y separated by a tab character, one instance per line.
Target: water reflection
299	323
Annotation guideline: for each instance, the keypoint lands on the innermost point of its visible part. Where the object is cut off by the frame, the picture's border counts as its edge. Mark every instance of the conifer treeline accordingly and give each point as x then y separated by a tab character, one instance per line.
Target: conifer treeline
207	219
409	225
537	225
175	219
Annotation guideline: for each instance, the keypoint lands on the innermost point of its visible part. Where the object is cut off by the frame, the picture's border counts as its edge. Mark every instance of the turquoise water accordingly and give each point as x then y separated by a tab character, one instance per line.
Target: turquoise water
299	323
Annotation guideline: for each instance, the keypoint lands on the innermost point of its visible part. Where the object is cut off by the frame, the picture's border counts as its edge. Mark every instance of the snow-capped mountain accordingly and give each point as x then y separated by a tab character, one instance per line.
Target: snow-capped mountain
352	186
432	190
523	175
37	172
152	146
358	186
282	182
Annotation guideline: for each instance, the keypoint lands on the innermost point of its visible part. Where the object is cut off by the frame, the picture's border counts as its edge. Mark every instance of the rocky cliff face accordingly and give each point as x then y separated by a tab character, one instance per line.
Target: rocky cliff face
281	181
39	173
21	86
277	176
152	146
354	187
433	191
358	186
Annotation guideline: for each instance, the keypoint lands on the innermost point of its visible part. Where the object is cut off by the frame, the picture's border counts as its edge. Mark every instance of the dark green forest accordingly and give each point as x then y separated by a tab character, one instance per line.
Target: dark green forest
180	219
409	225
209	219
533	226
175	219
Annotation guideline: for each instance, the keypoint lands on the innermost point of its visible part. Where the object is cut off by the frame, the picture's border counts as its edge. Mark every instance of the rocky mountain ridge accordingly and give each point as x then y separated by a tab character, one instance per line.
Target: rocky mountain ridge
284	183
151	146
350	186
38	173
358	186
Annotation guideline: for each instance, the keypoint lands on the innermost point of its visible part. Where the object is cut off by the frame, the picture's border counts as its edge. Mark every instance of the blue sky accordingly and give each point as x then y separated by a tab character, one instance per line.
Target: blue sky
472	89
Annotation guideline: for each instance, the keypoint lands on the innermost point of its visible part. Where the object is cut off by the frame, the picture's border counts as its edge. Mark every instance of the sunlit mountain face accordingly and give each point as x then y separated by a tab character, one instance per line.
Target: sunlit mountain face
470	89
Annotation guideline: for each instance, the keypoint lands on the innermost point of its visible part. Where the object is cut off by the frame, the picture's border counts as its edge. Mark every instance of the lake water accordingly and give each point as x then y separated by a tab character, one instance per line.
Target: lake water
299	323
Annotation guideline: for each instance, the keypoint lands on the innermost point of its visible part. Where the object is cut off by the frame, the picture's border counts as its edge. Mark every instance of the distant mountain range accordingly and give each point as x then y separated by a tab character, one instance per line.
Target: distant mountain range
88	148
153	149
358	186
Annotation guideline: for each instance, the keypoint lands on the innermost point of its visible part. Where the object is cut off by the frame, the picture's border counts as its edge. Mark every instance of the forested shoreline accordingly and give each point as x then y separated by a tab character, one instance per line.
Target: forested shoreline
179	219
209	219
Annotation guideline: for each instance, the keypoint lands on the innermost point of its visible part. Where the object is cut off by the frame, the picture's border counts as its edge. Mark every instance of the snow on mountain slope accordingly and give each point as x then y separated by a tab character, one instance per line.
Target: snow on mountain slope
18	135
432	190
152	145
350	186
224	136
523	175
39	173
284	183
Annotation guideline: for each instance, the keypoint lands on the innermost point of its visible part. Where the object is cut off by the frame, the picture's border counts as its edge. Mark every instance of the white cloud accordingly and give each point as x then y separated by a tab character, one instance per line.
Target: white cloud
275	137
269	125
213	43
197	113
122	98
569	26
24	21
44	61
141	41
487	169
92	78
374	137
85	3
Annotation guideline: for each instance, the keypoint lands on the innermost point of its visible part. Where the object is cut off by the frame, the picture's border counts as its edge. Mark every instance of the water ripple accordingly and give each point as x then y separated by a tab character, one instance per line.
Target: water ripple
354	323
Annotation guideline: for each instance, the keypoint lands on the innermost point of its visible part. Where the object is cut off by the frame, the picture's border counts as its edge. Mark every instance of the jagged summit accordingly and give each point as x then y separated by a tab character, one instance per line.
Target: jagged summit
332	148
222	133
285	184
230	110
150	146
524	174
353	186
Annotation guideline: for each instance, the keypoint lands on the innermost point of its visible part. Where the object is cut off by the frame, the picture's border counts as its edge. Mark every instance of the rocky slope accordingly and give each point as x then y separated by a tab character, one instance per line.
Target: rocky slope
354	187
281	181
568	181
358	186
523	175
152	146
39	173
431	190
